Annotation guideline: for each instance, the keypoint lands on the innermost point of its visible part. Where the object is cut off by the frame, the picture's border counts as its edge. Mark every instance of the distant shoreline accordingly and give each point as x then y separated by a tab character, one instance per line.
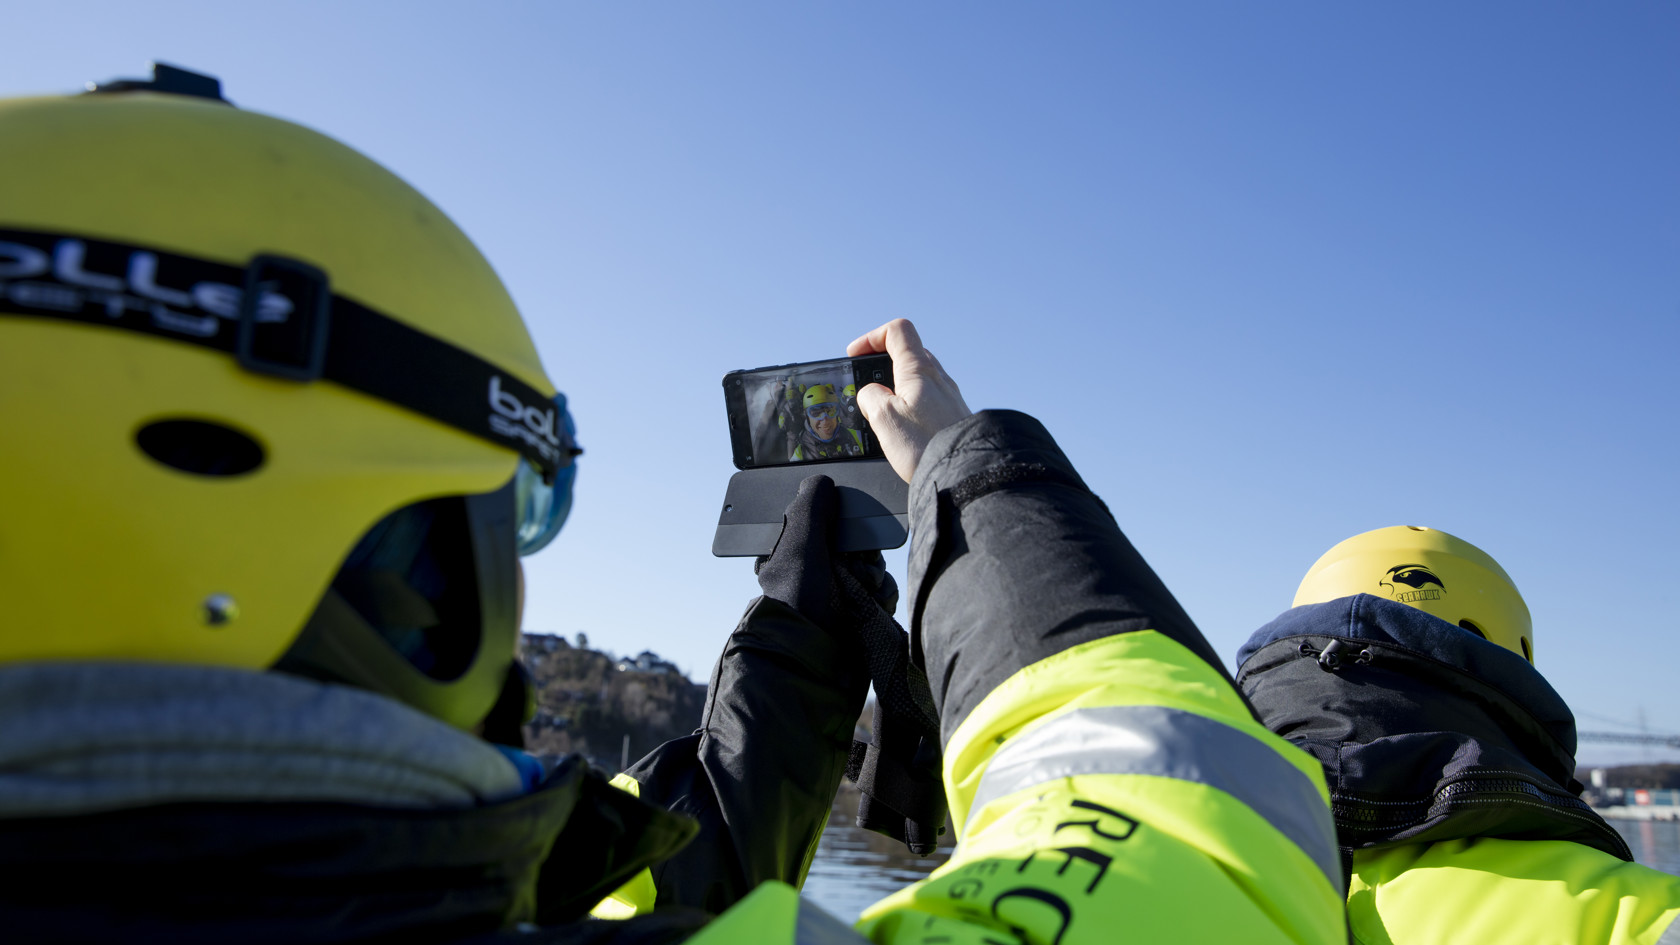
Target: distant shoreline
1639	812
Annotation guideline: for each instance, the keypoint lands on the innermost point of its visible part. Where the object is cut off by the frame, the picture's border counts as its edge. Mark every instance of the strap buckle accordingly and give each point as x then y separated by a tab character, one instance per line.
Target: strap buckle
284	316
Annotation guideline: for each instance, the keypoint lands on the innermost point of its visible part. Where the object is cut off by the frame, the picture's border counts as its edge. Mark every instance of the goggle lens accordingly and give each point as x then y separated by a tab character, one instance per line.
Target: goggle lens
540	508
822	411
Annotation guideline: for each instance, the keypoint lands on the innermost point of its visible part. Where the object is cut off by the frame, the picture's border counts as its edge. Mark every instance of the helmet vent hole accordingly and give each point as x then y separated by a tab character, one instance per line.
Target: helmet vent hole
1472	628
1528	654
200	447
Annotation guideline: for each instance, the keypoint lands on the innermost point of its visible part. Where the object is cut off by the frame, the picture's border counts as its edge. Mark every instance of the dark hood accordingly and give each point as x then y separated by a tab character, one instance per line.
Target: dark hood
1426	732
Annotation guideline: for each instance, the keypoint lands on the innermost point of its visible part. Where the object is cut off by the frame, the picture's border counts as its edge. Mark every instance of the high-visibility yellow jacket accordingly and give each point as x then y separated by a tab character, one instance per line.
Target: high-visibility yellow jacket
1452	764
1106	781
1492	890
1116	791
1119	791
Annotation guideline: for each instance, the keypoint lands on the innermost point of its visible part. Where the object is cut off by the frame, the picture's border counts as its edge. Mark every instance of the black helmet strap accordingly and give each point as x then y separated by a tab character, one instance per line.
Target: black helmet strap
279	317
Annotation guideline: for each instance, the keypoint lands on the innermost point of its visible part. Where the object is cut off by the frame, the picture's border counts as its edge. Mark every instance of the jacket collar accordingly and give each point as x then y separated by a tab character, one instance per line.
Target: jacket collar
190	804
83	737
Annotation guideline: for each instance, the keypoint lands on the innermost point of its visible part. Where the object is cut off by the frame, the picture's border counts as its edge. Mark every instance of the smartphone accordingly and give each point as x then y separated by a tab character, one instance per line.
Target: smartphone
793	414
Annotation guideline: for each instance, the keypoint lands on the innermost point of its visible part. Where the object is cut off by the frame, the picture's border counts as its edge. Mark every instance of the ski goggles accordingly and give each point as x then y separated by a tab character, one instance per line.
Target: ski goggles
822	412
541	505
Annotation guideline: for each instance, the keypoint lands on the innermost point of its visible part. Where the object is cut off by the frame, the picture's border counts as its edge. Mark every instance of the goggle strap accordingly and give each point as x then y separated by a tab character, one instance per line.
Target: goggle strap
332	337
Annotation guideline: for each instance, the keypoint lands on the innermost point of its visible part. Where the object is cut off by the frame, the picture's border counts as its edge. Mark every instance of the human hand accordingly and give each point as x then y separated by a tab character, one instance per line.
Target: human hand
802	571
922	401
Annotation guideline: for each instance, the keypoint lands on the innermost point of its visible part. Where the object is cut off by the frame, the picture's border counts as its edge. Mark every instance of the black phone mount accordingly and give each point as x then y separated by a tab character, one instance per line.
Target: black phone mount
874	507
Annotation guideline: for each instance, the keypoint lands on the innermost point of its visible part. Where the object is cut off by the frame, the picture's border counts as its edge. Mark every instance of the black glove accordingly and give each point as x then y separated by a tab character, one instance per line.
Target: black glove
802	572
799	572
853	594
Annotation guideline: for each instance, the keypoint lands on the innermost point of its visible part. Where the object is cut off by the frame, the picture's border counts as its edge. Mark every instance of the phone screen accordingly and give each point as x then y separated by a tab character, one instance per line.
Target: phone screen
802	413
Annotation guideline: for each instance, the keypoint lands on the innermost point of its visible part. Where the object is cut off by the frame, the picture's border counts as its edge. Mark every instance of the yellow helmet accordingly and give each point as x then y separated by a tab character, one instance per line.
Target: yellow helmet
265	405
820	394
1432	571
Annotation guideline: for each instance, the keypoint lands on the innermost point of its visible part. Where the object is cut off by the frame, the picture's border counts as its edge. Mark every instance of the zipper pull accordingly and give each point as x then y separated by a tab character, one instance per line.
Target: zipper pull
1337	654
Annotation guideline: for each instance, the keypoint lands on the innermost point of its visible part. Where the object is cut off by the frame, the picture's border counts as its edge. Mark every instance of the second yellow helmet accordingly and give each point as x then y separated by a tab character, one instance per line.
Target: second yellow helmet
1431	570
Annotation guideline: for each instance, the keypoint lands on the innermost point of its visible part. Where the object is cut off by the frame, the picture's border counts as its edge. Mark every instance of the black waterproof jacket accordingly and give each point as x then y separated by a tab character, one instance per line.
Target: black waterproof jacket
1426	732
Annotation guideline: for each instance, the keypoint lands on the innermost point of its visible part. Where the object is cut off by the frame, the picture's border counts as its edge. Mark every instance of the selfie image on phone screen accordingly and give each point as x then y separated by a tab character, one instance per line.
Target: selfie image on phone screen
799	413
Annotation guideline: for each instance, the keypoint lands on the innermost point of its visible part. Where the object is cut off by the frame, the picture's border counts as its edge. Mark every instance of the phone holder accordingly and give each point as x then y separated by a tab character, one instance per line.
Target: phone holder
874	507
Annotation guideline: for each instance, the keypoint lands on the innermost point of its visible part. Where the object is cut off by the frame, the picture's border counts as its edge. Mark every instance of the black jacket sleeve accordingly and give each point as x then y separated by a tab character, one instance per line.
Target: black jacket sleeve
1014	560
761	771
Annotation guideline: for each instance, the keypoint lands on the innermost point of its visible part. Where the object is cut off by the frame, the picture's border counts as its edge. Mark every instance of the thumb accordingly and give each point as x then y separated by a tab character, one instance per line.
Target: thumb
894	430
816	500
808	525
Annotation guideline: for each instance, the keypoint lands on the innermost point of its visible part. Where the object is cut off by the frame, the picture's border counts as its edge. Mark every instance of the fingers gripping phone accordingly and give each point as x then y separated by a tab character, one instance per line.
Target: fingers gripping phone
790	421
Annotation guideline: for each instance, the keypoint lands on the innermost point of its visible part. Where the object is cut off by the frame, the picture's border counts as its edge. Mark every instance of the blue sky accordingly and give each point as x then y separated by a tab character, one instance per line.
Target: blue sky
1272	275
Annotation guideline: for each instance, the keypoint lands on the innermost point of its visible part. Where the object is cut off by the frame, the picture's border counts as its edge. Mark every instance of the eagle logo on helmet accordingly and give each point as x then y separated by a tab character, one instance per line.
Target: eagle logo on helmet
1416	577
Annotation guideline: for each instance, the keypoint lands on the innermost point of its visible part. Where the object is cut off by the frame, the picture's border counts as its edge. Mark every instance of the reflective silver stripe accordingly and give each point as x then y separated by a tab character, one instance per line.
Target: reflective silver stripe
816	927
1672	936
1169	743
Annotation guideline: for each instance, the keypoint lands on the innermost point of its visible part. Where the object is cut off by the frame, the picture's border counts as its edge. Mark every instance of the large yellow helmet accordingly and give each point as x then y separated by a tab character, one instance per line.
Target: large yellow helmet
262	405
1432	571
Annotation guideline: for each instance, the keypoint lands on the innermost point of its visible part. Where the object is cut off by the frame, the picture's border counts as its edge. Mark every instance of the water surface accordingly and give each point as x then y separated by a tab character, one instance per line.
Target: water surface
853	868
1655	843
